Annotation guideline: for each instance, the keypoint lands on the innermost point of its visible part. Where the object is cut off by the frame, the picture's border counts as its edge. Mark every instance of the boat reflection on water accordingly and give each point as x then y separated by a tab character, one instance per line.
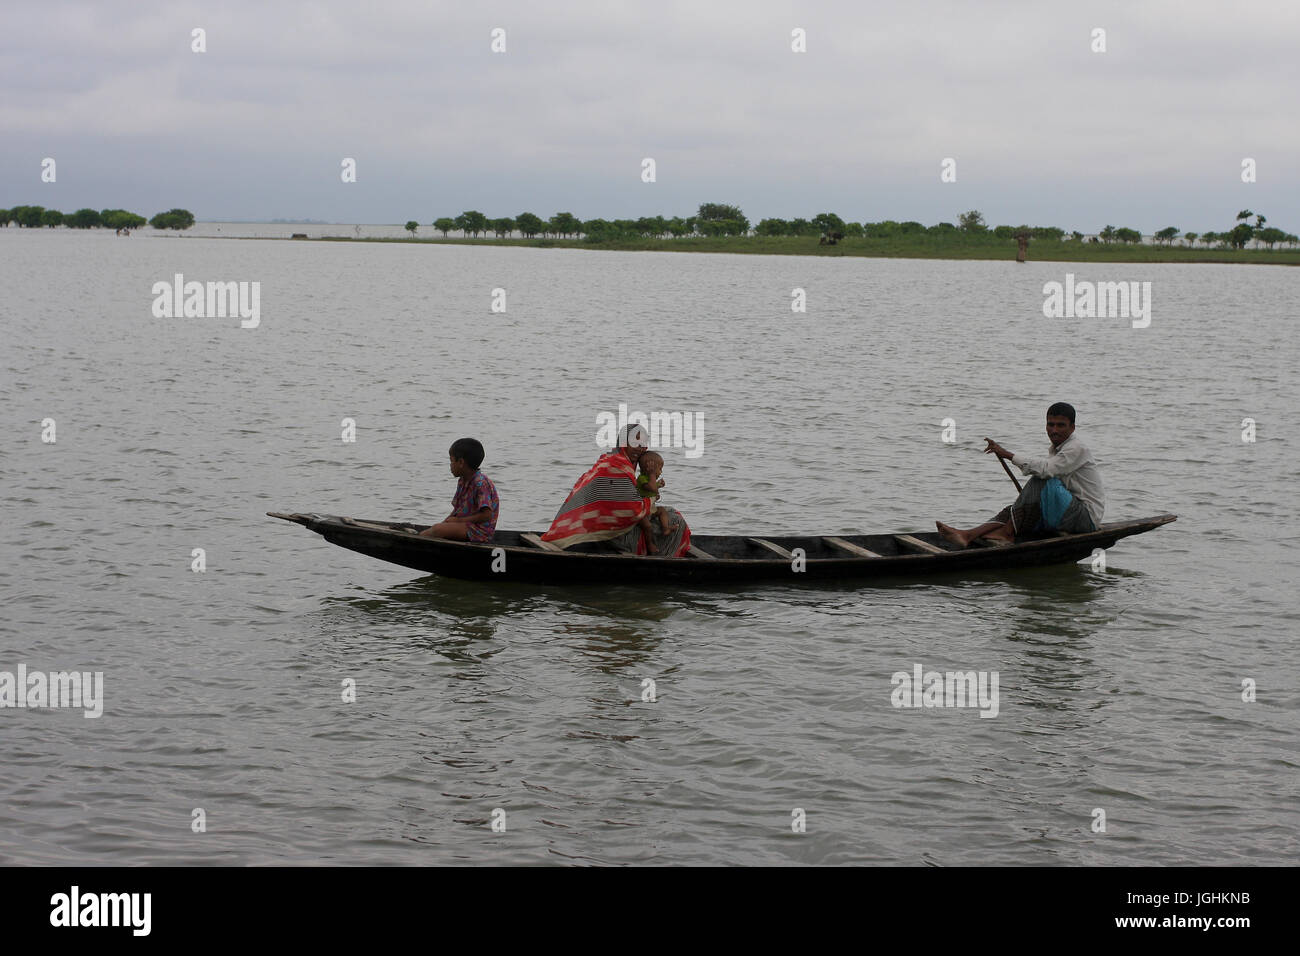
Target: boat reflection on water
466	621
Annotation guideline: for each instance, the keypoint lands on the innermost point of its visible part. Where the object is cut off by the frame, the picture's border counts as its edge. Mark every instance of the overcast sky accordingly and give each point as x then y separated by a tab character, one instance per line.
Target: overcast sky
1044	131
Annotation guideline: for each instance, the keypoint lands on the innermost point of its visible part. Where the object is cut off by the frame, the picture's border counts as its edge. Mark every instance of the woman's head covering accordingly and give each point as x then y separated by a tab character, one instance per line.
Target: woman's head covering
633	435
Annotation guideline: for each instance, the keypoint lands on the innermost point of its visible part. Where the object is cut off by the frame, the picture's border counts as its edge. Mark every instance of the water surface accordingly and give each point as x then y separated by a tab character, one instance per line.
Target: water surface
1119	690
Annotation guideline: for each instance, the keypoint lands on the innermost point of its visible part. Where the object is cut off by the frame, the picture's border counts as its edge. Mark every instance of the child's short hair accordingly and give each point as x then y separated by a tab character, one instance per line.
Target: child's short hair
468	450
647	457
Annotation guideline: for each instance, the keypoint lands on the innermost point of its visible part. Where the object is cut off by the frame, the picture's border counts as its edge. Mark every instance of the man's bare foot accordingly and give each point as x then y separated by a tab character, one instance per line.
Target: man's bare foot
950	533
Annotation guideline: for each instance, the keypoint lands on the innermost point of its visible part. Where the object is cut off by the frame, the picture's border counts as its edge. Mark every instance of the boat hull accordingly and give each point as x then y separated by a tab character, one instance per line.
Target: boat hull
723	558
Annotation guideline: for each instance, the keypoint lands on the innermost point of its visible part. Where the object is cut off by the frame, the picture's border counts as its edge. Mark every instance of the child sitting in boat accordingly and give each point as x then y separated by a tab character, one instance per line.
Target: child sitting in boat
475	506
648	485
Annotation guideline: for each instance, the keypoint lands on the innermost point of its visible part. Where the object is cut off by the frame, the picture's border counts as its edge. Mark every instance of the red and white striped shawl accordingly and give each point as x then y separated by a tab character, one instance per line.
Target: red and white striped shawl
603	504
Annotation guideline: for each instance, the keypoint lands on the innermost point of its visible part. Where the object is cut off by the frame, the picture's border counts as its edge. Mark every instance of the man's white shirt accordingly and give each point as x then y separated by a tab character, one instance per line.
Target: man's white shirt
1073	464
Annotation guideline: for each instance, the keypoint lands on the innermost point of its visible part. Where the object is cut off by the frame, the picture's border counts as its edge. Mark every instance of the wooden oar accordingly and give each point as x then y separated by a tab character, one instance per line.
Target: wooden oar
1003	462
1010	475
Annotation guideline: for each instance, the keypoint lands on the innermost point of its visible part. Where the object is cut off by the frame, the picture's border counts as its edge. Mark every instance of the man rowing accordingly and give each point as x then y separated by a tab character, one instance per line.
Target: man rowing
1063	494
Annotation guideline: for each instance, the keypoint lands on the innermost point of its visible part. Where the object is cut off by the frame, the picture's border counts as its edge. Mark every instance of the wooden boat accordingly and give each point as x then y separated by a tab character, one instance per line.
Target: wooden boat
523	556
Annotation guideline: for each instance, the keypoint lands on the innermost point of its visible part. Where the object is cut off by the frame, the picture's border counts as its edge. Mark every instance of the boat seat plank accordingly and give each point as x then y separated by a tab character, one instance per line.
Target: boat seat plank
537	542
990	543
916	544
848	547
695	552
373	526
774	548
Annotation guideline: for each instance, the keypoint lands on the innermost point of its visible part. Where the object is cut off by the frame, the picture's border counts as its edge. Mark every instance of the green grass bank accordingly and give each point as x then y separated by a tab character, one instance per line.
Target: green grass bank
897	247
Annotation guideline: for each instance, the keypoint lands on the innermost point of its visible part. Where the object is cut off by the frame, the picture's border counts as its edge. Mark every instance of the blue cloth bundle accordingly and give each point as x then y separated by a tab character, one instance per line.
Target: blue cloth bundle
1052	502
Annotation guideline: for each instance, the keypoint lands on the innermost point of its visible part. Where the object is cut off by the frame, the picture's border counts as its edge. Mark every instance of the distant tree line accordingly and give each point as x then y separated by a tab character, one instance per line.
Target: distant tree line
31	217
720	219
713	219
1237	237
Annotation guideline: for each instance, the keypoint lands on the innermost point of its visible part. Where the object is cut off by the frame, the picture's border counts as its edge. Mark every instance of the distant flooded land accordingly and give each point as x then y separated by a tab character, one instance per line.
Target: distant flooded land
719	227
722	228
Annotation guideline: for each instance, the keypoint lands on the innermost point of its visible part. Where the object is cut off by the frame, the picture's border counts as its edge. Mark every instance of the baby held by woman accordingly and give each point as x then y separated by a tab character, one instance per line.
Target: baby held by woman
648	484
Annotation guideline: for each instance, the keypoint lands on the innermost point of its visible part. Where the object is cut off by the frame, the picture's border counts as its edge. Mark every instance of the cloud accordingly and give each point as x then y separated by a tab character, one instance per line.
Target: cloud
713	92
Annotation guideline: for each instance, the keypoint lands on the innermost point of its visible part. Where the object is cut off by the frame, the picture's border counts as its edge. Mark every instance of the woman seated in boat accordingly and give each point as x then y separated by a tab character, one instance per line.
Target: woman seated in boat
606	505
